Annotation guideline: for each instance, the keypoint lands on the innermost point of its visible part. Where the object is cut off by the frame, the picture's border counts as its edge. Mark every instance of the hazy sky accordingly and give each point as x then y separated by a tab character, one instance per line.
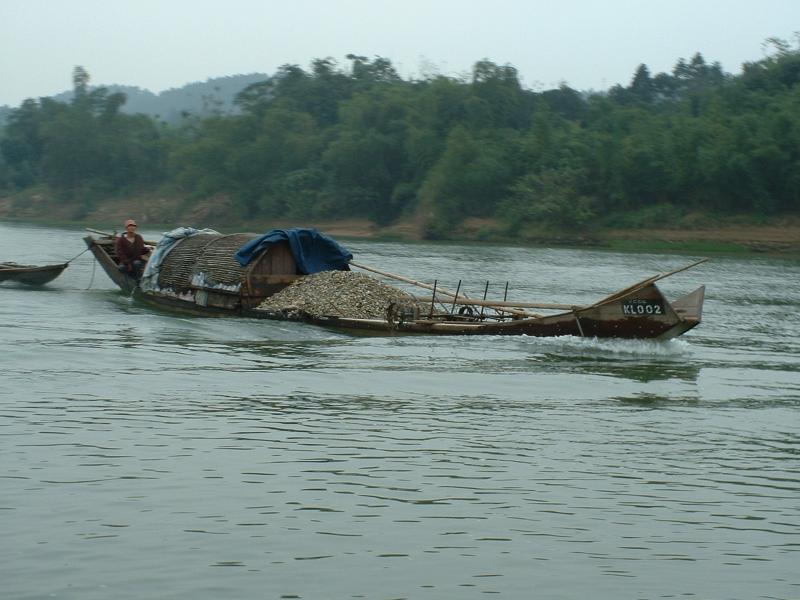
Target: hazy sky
159	44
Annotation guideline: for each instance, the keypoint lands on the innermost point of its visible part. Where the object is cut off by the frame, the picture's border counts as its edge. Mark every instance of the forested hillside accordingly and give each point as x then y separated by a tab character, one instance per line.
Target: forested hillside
336	142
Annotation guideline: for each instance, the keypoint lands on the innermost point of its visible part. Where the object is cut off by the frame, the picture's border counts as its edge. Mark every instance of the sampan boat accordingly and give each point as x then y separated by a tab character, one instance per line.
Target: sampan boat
30	274
204	272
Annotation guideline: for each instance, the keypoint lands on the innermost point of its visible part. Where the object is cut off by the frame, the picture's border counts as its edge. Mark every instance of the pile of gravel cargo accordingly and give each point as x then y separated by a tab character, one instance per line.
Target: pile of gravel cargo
342	294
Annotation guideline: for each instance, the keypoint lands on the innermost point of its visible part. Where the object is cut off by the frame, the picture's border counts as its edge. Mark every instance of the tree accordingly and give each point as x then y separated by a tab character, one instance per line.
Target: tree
469	180
642	88
371	72
22	144
368	158
551	198
80	83
499	96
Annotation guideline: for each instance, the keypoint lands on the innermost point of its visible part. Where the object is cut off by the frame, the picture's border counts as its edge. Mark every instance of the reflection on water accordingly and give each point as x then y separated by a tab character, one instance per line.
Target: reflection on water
147	454
459	488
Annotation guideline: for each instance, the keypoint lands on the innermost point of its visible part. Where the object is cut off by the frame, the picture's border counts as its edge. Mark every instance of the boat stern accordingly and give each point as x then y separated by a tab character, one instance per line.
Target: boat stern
690	306
689	309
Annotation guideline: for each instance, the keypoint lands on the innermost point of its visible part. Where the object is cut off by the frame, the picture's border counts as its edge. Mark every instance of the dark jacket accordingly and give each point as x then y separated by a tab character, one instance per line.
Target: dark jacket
128	252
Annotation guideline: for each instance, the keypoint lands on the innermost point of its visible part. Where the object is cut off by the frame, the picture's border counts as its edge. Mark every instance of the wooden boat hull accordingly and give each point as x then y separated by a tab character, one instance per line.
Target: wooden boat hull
615	318
638	312
102	250
30	274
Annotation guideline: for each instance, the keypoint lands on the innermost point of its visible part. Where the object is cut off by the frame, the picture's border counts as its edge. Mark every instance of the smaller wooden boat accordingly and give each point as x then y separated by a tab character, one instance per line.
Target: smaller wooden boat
30	274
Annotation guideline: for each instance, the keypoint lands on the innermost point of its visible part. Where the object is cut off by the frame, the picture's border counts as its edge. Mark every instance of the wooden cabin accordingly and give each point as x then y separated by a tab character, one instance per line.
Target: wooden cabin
200	272
202	269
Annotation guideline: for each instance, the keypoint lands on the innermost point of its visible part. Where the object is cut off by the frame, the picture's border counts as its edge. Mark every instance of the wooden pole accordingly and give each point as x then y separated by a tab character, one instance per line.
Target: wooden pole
467	301
405	279
511	306
103	233
648	281
113	235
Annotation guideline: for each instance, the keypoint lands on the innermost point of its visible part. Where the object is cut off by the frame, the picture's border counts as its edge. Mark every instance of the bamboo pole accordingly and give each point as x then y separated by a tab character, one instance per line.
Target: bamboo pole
647	281
98	232
510	306
405	279
439	290
113	235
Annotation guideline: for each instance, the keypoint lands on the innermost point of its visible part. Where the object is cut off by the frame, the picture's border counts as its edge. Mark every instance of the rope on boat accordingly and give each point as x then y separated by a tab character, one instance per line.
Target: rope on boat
94	268
76	256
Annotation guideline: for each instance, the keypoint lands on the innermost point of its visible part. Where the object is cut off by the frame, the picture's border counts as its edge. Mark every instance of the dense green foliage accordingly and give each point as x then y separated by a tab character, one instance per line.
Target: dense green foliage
85	145
361	141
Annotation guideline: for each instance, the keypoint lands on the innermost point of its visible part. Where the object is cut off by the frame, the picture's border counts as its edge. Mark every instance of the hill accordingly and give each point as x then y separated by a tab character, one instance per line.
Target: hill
202	99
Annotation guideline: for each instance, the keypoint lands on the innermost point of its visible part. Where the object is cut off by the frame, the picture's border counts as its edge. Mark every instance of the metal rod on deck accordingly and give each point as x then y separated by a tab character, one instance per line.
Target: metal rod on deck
455	298
485	292
433	298
505	293
466	299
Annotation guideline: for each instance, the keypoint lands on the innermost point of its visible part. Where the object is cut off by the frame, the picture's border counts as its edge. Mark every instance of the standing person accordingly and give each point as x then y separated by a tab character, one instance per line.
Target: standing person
131	250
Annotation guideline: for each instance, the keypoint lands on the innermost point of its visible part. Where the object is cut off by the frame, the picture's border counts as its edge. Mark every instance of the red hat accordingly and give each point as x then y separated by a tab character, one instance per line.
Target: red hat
130	222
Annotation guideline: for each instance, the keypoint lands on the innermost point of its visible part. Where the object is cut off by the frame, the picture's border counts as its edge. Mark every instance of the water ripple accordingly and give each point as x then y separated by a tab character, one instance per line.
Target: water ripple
140	447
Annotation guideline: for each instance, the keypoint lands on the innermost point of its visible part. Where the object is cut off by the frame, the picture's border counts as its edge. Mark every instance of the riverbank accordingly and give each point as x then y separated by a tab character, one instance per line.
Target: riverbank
162	212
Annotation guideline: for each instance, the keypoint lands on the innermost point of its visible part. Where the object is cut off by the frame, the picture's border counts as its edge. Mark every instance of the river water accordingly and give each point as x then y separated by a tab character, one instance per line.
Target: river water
145	454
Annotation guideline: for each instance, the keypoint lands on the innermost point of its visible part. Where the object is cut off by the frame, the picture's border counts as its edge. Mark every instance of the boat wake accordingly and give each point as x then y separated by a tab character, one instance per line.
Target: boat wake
620	348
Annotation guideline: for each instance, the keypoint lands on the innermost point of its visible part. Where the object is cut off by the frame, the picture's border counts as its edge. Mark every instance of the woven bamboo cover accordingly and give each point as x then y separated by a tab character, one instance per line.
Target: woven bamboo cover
209	255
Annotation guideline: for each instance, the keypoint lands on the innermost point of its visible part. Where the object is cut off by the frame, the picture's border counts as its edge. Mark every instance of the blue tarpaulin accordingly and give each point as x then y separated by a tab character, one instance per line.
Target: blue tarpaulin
313	251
